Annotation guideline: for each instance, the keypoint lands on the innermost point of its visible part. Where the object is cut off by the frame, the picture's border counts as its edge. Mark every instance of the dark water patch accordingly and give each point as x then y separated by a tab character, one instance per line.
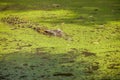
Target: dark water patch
3	8
25	64
40	51
95	67
11	7
3	39
27	45
5	69
33	67
63	74
2	77
66	60
92	67
114	66
87	53
113	51
18	67
23	76
42	76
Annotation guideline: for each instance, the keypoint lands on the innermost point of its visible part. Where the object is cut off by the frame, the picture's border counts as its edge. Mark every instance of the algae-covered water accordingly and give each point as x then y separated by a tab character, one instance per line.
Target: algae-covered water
89	49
